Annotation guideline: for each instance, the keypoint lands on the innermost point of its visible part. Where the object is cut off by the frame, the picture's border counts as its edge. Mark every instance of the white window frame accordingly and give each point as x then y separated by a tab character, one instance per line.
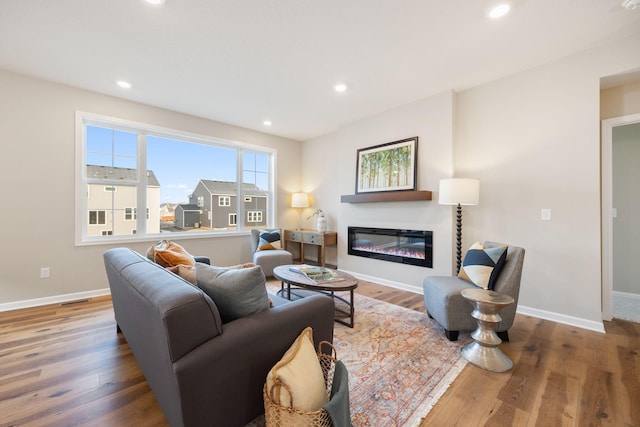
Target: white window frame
142	130
233	219
224	201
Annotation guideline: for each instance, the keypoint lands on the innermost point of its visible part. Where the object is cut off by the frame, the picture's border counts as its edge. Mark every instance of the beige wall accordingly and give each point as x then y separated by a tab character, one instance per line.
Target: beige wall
330	169
533	139
37	171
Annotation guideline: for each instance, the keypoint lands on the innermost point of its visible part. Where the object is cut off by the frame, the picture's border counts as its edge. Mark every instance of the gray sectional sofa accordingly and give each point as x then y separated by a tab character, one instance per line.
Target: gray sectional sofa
203	372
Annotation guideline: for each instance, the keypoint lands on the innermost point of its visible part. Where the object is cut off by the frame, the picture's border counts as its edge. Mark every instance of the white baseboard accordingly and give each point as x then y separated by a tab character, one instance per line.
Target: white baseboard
57	299
542	314
626	306
562	318
391	284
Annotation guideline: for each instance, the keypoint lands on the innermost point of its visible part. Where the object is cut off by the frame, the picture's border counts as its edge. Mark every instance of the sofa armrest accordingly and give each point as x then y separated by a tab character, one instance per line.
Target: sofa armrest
236	363
203	259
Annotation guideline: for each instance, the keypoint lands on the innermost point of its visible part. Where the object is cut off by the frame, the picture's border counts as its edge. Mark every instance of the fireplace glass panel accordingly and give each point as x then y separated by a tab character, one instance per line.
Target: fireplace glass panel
412	247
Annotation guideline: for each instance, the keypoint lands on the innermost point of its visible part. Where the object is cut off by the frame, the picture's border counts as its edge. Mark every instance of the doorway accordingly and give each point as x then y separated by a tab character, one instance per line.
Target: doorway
620	298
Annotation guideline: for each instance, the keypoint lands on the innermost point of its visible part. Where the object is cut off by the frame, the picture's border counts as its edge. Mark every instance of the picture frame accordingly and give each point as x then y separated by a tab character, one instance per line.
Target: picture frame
387	167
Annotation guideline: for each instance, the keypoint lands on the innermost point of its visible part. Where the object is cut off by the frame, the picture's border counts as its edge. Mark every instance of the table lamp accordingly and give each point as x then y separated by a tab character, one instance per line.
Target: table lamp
459	191
300	201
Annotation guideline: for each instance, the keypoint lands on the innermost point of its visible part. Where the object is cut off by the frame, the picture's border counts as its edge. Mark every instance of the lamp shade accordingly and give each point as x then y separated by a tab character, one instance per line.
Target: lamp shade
462	191
299	200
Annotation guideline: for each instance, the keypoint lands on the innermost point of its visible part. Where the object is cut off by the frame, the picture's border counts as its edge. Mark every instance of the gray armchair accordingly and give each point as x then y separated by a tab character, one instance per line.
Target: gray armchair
268	259
452	311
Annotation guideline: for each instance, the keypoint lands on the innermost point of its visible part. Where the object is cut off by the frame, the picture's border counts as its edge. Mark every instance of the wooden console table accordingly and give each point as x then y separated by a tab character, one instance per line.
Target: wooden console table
309	237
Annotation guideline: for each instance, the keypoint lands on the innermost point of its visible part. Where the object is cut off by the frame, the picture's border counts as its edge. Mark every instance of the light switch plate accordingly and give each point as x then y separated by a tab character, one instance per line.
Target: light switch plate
546	215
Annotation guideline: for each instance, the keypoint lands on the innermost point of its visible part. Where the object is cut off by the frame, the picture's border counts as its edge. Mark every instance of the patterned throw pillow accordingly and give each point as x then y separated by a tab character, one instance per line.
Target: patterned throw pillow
481	266
300	370
269	240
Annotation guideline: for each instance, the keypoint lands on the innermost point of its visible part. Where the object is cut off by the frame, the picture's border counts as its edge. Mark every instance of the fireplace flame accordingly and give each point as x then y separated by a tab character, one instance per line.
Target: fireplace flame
394	250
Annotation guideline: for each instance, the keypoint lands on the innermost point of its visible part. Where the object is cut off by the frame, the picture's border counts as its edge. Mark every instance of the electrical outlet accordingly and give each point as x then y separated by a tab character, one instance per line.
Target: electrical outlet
546	215
44	273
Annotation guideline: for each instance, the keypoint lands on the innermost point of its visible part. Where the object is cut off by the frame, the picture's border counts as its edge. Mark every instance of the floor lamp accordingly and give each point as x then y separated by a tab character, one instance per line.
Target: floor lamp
459	191
300	201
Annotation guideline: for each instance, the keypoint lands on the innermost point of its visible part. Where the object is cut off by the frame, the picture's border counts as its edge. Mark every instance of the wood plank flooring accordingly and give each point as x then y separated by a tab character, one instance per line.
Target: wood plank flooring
66	366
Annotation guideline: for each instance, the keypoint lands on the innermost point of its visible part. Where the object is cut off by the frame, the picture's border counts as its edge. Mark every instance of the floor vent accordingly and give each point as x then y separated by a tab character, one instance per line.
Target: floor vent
80	301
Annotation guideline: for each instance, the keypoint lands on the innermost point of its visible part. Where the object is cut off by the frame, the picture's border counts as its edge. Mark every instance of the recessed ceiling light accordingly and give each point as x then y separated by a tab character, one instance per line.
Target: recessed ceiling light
155	2
498	11
267	123
123	84
340	87
630	4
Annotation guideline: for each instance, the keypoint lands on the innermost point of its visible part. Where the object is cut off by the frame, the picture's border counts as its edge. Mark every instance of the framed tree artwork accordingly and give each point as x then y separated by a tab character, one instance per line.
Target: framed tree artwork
387	167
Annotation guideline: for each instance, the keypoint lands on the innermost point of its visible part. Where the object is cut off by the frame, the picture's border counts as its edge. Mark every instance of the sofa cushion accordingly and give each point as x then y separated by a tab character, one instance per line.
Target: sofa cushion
237	292
269	240
300	370
481	266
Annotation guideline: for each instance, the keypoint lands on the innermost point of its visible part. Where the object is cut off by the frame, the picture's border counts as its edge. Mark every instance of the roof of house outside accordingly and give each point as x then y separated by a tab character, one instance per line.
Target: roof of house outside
188	207
120	174
227	187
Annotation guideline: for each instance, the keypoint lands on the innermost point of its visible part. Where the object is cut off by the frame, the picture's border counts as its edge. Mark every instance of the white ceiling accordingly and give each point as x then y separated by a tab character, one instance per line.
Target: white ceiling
246	61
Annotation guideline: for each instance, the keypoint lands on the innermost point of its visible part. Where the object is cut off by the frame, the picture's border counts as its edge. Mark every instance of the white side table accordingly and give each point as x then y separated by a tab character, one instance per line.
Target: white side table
483	351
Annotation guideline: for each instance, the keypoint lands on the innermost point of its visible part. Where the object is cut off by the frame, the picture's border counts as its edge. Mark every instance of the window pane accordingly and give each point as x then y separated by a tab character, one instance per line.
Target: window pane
110	211
255	178
110	147
193	178
190	185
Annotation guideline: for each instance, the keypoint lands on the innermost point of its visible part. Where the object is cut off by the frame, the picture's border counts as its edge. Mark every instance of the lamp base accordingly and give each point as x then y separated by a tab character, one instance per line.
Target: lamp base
458	239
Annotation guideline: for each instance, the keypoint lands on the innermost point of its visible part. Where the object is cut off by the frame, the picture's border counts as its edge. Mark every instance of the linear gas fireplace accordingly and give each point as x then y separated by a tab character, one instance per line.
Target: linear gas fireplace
414	247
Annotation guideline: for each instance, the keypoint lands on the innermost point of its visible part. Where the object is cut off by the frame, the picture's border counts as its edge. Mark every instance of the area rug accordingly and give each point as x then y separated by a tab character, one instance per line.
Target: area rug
399	363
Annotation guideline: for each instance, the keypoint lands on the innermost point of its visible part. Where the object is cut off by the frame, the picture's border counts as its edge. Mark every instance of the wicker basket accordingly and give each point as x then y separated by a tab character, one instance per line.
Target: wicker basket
276	415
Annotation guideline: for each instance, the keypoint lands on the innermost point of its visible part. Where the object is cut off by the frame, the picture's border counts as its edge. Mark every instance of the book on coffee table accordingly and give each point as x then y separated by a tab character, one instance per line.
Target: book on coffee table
317	274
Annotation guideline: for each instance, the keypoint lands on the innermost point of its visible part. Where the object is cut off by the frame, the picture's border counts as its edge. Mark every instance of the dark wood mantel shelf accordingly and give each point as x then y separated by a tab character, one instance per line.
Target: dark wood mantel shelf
390	196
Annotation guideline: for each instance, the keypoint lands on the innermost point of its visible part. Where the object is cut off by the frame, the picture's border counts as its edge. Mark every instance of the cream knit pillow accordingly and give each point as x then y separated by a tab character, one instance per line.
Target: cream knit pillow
300	370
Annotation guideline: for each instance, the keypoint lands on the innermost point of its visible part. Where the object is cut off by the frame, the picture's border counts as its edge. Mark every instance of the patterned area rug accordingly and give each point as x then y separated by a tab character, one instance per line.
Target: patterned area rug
399	363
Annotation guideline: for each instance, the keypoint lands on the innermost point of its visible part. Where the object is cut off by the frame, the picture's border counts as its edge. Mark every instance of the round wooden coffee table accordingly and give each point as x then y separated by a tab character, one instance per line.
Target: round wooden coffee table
287	276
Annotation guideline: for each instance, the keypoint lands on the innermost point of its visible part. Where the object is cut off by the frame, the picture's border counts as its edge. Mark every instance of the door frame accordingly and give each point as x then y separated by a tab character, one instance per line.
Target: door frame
606	183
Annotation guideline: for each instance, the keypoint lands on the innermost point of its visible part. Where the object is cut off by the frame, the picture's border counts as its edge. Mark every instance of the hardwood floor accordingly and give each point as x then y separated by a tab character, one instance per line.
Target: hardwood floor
66	366
562	376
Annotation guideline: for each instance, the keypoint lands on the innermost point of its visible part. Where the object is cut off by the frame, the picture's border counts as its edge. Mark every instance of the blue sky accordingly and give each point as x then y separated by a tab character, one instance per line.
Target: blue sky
178	165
